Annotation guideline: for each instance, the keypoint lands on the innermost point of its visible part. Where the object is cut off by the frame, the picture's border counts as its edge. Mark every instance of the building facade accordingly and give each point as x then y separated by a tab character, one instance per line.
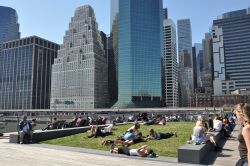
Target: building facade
25	76
113	53
198	53
231	51
185	61
79	75
207	69
139	52
230	100
9	27
170	64
201	98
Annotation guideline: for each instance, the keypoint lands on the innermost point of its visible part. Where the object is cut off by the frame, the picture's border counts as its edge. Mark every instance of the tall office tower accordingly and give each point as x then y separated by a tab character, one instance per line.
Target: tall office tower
170	64
186	61
185	39
139	52
80	73
207	70
9	27
113	53
198	53
25	75
231	51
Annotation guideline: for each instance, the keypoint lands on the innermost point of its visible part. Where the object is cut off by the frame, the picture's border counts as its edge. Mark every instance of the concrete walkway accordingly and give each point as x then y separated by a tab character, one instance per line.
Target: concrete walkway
230	154
49	155
52	155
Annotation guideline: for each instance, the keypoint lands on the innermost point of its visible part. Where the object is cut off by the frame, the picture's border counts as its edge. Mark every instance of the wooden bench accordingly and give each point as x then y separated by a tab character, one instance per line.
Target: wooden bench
190	153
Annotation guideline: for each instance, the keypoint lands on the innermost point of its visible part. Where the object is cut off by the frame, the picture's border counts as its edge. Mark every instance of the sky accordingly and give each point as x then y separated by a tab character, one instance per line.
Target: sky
49	19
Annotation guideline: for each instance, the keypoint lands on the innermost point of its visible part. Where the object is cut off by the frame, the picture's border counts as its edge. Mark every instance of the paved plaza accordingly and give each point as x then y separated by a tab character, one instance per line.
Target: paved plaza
52	155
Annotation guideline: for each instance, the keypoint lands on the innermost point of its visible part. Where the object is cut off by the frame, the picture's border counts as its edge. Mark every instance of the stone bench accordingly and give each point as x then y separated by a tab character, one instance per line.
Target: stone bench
39	135
190	153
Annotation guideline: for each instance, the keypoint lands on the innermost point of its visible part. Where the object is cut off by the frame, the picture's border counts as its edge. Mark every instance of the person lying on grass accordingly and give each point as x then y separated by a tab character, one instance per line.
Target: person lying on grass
141	151
157	136
138	138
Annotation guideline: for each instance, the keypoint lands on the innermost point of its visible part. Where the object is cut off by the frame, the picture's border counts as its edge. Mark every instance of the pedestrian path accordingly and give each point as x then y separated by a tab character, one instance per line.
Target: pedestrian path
230	154
38	155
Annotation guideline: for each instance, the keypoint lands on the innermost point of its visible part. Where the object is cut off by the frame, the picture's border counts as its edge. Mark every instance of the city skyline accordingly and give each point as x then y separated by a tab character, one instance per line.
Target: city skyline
50	22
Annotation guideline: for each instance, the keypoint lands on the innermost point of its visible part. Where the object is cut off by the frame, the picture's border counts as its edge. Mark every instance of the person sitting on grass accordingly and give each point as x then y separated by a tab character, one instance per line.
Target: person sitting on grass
142	151
157	136
52	125
135	128
162	121
97	131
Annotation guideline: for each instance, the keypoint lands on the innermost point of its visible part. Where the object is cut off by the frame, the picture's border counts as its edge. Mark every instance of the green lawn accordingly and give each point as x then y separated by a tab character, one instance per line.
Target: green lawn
164	147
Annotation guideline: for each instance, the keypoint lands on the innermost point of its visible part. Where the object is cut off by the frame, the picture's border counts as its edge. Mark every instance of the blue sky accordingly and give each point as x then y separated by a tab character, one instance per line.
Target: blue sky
50	18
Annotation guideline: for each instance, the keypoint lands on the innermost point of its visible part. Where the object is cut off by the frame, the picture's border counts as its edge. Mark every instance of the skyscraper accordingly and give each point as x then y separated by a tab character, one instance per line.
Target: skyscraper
231	51
207	70
9	27
185	61
185	39
139	52
79	75
113	53
25	76
170	64
198	53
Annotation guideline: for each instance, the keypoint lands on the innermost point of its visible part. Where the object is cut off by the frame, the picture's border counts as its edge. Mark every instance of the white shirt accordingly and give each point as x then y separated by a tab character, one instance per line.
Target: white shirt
133	152
217	125
107	129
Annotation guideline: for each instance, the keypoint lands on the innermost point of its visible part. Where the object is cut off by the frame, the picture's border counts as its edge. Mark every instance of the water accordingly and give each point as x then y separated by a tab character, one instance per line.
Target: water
13	127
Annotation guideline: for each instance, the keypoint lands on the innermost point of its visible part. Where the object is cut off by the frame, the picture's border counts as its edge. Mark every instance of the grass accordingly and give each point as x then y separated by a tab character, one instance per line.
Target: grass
165	147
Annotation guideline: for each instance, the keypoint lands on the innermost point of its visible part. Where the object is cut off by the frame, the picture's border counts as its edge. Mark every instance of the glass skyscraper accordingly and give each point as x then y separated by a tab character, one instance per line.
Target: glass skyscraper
231	51
185	41
80	72
9	27
25	76
186	78
139	52
170	64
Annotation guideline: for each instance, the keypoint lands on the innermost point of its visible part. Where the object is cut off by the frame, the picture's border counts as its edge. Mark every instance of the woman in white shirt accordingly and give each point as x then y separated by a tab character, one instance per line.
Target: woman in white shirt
217	124
142	151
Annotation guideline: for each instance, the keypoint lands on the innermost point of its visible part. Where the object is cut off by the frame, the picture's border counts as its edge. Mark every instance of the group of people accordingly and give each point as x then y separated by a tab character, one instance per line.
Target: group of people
242	111
131	136
203	130
200	134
